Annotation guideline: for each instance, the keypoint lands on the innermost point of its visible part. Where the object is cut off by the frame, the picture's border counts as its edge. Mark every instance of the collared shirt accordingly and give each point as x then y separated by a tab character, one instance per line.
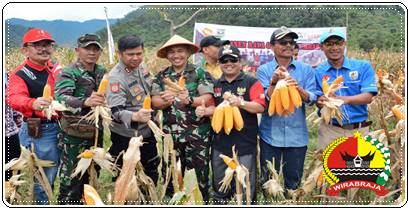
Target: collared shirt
250	89
289	131
359	77
213	69
125	95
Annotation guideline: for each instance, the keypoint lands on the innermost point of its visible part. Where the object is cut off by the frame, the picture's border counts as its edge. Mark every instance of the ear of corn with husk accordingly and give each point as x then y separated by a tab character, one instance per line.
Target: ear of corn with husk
54	106
175	87
99	156
241	174
91	196
284	99
227	117
332	107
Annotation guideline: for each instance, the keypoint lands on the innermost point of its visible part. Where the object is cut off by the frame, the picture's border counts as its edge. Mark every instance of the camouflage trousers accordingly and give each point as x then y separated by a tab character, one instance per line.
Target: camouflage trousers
193	151
72	189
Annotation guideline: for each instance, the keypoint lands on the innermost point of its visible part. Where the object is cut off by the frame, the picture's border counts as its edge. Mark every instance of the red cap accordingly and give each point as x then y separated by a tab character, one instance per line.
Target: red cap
35	35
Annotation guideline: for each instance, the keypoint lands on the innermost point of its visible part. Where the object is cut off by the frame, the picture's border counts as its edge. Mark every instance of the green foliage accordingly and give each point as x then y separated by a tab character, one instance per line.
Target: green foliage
368	26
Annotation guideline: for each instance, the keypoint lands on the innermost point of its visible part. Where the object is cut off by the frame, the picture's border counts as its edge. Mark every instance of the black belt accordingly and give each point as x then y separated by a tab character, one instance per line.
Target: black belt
43	121
354	125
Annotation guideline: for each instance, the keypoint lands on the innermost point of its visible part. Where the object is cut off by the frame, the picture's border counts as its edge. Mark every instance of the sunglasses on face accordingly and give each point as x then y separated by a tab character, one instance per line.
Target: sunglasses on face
331	44
286	42
229	59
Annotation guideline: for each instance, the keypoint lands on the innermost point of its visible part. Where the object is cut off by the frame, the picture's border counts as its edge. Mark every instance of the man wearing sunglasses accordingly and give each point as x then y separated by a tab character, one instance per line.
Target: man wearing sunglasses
24	94
285	138
360	87
247	95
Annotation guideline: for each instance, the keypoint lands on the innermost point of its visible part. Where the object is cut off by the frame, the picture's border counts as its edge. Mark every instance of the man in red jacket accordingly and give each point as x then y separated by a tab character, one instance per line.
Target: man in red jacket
25	94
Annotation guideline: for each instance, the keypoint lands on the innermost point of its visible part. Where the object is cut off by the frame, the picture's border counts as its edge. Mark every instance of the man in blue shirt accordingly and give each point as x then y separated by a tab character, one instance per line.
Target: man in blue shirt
285	138
360	87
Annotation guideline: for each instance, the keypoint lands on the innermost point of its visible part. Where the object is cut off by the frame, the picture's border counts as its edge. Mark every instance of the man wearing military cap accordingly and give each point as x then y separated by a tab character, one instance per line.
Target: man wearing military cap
77	86
24	94
129	84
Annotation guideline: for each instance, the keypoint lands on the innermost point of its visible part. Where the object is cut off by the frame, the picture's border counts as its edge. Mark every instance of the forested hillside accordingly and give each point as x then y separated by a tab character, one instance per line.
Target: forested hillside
368	26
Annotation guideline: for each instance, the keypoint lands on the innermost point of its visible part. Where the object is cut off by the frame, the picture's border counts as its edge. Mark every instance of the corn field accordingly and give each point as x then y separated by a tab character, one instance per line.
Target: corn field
388	127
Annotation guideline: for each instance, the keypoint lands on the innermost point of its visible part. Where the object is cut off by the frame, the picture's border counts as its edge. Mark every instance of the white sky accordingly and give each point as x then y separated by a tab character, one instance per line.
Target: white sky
66	11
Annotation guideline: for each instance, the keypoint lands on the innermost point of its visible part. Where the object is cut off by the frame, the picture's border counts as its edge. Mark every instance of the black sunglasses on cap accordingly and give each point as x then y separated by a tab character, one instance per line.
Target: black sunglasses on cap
229	59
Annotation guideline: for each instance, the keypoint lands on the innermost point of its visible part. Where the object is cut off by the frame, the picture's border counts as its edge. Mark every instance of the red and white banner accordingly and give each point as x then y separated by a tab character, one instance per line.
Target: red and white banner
254	45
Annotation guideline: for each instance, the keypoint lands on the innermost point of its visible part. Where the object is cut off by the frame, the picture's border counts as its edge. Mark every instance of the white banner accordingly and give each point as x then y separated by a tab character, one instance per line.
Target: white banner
253	42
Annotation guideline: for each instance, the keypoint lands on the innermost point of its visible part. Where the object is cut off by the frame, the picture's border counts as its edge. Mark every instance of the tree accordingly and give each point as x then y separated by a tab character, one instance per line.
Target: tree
173	28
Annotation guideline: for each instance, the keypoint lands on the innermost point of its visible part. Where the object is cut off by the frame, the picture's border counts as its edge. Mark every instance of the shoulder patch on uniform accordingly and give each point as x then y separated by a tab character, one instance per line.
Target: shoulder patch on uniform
115	87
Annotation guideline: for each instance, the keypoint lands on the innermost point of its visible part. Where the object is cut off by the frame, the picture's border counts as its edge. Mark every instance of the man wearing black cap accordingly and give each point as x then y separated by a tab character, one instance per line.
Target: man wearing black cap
76	87
285	138
247	95
209	47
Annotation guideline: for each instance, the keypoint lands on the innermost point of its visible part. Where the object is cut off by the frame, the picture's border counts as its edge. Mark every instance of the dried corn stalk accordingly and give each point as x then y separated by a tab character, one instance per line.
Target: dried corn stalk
332	107
130	159
272	186
11	188
190	195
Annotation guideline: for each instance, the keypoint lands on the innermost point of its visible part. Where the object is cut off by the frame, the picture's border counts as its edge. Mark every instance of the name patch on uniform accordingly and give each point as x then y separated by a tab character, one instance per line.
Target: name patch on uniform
115	87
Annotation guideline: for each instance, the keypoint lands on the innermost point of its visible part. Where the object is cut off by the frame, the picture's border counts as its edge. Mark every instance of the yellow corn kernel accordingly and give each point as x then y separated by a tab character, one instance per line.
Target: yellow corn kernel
228	161
397	113
237	119
103	86
147	102
87	154
295	96
228	119
218	118
284	97
47	92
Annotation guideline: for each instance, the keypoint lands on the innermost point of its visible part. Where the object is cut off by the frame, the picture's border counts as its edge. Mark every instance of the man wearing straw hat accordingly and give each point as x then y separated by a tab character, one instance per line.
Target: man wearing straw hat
77	86
190	133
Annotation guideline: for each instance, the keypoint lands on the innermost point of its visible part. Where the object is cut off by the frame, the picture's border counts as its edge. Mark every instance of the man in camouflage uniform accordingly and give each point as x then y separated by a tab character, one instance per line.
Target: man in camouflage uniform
76	86
190	133
129	84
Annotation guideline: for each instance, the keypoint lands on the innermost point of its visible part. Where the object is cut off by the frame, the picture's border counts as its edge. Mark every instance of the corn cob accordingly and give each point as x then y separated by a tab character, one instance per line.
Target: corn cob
295	97
397	113
380	74
237	119
228	161
398	98
86	154
173	85
284	97
228	119
91	196
147	102
271	108
181	82
218	118
103	86
278	103
47	92
325	83
291	108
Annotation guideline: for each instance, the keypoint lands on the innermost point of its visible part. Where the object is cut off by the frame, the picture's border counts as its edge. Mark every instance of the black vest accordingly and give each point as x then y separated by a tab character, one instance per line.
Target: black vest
35	80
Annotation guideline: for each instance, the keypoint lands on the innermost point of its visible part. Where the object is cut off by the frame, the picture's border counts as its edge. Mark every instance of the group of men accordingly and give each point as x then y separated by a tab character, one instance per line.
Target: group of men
186	113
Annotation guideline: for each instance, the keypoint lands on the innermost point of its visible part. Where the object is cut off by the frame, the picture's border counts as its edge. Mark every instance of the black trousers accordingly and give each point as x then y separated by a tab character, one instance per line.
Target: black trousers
12	151
149	157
